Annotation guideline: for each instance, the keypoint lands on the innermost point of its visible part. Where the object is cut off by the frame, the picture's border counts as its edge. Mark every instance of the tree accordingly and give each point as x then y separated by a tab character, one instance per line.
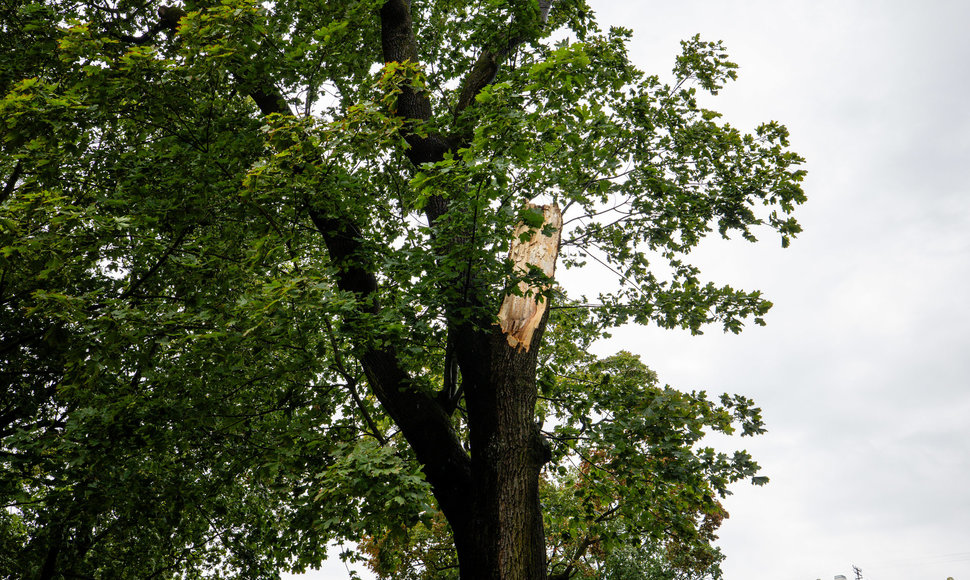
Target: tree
279	273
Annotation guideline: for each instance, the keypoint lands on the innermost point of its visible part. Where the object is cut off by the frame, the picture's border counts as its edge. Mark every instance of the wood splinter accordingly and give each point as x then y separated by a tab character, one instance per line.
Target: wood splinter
520	315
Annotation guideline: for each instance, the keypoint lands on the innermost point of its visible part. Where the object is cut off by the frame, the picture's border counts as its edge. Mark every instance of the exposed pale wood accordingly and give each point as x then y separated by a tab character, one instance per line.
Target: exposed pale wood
520	315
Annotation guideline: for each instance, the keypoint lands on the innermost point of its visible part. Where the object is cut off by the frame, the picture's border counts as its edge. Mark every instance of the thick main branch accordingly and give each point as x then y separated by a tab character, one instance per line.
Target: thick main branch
422	420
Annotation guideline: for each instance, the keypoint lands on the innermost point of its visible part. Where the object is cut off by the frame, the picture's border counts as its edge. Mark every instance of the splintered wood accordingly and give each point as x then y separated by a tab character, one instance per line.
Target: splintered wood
519	316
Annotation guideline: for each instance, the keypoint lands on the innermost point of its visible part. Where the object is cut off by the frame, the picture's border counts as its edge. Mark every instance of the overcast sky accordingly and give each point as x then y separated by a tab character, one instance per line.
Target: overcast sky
863	371
864	368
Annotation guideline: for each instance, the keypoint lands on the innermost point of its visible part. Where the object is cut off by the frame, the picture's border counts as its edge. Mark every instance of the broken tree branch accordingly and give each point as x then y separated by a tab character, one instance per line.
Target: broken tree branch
522	312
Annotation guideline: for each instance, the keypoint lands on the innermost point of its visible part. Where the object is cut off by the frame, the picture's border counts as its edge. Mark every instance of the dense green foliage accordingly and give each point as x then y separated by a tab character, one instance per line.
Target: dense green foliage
184	385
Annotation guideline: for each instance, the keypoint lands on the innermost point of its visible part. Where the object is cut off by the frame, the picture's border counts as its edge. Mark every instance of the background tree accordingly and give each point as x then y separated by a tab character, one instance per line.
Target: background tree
253	255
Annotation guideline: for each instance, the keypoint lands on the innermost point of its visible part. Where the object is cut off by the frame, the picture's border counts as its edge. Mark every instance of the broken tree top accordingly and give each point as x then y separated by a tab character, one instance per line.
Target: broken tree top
521	313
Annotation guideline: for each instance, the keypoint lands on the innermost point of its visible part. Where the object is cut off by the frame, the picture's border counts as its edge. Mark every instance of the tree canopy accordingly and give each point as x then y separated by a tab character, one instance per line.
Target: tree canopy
252	262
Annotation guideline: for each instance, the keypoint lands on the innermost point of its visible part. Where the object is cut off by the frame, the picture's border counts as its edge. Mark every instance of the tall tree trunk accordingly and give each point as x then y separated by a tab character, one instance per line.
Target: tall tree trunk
507	540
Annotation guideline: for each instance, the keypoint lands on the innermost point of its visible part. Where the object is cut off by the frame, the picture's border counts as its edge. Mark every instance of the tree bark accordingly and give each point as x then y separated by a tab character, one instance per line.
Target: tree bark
506	462
508	451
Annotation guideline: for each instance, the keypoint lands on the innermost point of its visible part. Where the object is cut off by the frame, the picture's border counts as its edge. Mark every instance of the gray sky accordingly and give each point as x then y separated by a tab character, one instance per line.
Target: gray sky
864	368
863	371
